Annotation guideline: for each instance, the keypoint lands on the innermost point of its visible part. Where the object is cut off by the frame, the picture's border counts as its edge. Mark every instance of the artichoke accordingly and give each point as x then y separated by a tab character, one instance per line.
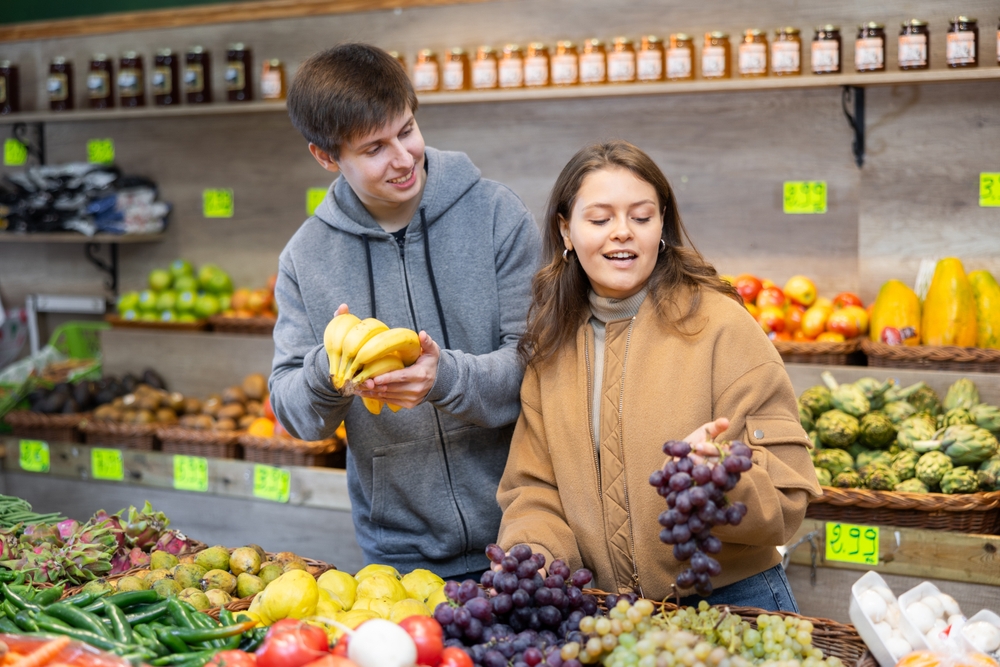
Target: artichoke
914	429
880	478
856	450
986	416
932	466
846	397
897	411
823	476
805	418
959	480
877	431
878	462
955	417
962	394
968	444
904	464
837	429
814	437
865	458
911	486
897	393
925	399
847	480
874	390
989	475
816	399
834	461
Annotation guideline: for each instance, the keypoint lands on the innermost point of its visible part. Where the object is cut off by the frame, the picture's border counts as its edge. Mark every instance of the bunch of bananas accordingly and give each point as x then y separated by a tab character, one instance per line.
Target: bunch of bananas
362	349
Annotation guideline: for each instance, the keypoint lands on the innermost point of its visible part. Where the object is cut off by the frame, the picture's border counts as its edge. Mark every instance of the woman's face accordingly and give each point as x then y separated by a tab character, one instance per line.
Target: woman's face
614	229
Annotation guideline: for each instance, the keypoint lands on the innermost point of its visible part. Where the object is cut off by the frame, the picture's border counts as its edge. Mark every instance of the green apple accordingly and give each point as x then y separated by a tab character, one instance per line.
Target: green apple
181	267
206	305
130	314
220	283
149	317
186	317
147	300
205	274
166	301
159	279
225	301
128	301
186	284
185	302
168	316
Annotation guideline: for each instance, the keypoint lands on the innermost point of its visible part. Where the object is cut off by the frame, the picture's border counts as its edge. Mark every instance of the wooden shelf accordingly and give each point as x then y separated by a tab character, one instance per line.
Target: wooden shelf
73	237
986	73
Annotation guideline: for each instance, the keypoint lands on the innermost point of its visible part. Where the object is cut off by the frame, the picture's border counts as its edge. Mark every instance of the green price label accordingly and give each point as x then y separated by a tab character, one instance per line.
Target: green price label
15	153
217	203
191	473
100	151
314	197
805	197
989	189
850	543
271	483
34	455
106	463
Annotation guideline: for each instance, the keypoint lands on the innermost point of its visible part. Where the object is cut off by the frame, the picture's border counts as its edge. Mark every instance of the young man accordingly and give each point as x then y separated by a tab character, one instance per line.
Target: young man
415	237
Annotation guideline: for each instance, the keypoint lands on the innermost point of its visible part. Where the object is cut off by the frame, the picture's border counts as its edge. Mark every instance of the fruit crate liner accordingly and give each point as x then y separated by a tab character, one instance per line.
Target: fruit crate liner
960	512
114	434
50	428
116	321
242	325
821	352
193	442
931	357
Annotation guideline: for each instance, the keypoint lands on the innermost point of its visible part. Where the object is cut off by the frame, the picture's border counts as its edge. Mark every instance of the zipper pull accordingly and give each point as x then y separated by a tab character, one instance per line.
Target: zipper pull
636	586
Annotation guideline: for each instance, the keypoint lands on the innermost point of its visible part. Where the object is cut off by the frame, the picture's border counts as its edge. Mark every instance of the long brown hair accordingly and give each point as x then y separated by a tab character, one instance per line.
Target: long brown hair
559	291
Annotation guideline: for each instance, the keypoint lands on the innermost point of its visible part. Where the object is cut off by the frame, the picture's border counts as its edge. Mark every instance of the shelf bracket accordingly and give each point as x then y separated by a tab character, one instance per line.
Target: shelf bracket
109	267
35	148
857	120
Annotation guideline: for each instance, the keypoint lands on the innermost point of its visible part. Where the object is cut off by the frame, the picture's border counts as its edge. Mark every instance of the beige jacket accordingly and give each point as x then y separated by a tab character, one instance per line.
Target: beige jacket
564	500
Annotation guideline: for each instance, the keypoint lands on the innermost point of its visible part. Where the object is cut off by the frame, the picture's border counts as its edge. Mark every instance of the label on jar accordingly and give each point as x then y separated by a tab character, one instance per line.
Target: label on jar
425	76
785	57
129	82
511	73
825	56
649	65
564	69
98	85
592	68
912	50
235	75
869	54
536	71
621	66
270	85
484	73
160	81
713	62
454	75
961	49
678	63
753	59
57	87
194	78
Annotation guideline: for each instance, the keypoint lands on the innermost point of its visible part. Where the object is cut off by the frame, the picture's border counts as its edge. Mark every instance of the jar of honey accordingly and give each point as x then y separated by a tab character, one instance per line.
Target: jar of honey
100	86
786	52
239	65
484	69
536	65
273	85
426	73
715	56
456	74
565	64
963	42
680	57
826	50
752	54
165	79
649	61
197	76
10	88
510	67
59	84
869	48
131	82
593	62
621	61
914	45
400	58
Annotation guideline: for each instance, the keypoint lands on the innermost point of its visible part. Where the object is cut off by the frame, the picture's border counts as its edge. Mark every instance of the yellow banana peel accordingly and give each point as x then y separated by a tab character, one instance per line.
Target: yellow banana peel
333	338
354	340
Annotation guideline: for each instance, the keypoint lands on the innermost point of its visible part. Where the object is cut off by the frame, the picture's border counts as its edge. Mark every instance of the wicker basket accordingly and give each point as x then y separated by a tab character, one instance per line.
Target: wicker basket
962	512
121	436
931	357
116	321
191	442
50	428
829	353
195	547
242	325
280	451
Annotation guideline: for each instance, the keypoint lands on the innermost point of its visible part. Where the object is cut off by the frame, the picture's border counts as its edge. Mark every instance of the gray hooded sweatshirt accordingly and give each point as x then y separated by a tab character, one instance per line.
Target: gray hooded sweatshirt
422	482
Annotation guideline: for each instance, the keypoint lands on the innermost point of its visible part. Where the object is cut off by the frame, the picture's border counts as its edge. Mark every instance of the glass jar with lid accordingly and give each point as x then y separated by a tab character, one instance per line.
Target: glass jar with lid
197	76
786	52
593	62
239	65
963	42
752	54
621	61
715	56
869	48
426	73
914	45
59	84
10	88
680	57
165	79
649	60
826	50
400	58
456	71
565	64
510	68
484	69
131	82
273	85
100	83
536	65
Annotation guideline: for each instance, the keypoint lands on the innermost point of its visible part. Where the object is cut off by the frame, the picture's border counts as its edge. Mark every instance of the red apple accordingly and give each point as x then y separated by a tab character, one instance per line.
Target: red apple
845	299
801	289
851	321
814	321
793	317
772	318
771	296
747	286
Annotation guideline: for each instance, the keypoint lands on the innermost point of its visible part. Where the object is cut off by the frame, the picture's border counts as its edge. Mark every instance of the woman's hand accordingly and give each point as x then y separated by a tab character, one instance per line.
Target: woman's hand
409	386
700	440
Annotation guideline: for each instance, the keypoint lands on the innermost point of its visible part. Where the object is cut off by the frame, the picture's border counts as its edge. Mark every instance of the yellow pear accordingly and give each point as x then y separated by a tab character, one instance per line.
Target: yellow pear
292	595
375	567
406	608
341	584
419	584
380	585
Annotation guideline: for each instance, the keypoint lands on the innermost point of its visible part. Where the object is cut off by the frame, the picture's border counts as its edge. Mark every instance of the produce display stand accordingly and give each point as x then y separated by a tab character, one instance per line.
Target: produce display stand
38	426
262	326
115	321
960	512
834	354
187	441
933	358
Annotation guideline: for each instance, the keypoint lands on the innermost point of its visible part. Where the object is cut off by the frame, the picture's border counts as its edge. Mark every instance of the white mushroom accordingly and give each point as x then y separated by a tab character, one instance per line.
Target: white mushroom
935	605
884	592
921	616
884	630
897	647
873	606
984	636
950	606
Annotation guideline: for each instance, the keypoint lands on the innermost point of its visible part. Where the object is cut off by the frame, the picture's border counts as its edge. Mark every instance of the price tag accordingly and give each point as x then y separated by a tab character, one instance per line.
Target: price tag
805	197
314	197
106	463
850	543
34	455
15	153
271	483
217	203
989	189
100	151
191	473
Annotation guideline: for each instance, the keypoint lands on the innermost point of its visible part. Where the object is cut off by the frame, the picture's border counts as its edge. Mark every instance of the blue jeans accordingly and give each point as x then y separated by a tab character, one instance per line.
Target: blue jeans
768	590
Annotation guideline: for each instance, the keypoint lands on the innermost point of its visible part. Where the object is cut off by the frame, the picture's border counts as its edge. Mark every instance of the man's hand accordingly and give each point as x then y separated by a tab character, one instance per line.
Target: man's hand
407	387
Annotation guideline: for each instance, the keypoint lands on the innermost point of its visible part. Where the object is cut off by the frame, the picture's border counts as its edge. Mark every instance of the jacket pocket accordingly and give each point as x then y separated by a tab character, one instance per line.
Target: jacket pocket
765	431
477	458
781	446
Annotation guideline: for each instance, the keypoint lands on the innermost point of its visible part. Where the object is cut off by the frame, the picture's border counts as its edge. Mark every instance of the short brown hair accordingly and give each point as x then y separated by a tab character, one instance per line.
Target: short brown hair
347	92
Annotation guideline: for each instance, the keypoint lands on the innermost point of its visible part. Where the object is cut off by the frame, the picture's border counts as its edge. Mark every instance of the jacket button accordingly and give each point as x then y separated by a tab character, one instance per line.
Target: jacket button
758	433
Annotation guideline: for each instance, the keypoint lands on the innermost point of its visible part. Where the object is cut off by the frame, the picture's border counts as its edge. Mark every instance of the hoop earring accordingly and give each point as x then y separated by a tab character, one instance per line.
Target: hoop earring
663	245
566	255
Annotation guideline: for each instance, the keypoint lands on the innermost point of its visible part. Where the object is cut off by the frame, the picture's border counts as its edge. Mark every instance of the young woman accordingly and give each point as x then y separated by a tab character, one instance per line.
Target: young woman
634	340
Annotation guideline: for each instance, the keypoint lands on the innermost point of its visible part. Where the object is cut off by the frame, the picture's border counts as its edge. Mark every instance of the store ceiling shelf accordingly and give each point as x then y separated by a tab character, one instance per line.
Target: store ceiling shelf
919	77
73	237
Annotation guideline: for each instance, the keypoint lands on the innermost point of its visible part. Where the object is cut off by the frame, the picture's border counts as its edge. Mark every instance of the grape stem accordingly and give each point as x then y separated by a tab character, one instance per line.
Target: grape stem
722	616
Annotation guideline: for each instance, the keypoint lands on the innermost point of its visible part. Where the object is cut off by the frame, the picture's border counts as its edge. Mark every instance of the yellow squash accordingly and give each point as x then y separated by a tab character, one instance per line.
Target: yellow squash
896	306
949	316
987	294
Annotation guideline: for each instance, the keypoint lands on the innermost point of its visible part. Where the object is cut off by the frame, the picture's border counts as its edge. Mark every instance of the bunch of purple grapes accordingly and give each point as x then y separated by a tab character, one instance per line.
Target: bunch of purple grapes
525	618
696	502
